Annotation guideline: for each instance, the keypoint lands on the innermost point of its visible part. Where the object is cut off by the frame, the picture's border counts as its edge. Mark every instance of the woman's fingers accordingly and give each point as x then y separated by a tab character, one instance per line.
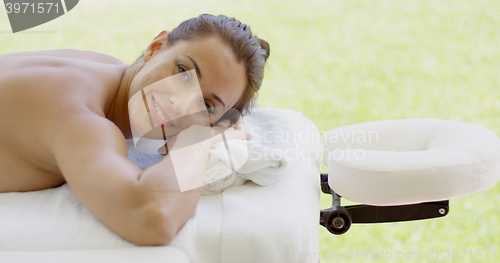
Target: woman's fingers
229	132
237	134
198	133
239	126
224	124
239	123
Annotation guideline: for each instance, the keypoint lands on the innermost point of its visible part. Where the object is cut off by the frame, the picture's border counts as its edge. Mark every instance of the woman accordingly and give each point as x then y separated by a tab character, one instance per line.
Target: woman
65	118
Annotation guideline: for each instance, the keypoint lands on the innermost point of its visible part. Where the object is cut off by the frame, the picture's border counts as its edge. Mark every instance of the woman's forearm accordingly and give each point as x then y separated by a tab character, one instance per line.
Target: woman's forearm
167	205
172	188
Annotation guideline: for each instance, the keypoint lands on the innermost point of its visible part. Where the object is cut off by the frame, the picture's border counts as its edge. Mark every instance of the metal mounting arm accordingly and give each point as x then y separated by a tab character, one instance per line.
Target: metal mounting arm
338	219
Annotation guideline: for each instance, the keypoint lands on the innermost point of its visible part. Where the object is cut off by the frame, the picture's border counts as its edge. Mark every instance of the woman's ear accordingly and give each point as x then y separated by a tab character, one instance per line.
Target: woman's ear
156	45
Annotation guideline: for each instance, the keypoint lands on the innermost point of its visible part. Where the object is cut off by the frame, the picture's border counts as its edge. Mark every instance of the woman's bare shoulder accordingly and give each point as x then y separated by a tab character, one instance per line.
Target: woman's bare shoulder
50	78
40	94
68	53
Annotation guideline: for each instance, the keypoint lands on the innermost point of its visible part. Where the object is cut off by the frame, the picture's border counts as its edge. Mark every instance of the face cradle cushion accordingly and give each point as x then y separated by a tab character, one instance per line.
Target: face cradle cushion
396	162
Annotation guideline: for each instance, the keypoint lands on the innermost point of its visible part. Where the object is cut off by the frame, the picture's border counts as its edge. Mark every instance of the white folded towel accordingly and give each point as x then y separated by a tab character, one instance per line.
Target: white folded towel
263	160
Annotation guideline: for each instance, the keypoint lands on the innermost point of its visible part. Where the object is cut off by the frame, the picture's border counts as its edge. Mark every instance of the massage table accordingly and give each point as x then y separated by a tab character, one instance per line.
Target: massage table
408	163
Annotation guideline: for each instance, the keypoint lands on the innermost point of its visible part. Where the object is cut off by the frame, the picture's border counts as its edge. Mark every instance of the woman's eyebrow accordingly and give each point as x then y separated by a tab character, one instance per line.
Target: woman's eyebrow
219	100
195	66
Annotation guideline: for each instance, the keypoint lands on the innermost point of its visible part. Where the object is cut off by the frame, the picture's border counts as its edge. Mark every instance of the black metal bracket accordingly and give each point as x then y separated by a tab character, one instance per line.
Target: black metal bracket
338	219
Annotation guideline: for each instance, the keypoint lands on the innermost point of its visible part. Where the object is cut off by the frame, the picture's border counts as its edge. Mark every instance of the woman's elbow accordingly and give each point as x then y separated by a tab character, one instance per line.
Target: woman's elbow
157	229
159	238
164	234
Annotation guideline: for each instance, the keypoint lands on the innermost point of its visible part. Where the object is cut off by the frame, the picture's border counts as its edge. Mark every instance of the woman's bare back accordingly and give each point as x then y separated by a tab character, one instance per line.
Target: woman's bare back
35	87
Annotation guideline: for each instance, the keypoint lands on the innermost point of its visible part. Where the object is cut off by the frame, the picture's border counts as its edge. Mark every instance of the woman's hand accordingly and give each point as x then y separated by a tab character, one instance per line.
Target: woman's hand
207	136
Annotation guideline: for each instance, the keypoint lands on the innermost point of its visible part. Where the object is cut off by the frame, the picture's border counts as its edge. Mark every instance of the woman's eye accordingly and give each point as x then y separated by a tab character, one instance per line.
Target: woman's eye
183	72
210	108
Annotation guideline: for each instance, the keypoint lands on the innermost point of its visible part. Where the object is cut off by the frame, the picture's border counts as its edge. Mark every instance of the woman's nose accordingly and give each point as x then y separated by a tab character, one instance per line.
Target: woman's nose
186	103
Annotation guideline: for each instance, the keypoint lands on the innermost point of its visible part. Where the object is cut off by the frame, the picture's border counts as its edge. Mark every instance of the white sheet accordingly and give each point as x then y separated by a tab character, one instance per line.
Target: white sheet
247	223
119	255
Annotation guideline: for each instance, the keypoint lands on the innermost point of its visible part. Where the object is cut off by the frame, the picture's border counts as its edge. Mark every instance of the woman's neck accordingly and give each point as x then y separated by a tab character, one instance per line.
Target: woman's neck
118	110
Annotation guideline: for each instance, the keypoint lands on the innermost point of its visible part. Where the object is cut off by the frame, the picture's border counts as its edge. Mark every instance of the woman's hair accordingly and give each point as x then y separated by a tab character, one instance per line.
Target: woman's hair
248	48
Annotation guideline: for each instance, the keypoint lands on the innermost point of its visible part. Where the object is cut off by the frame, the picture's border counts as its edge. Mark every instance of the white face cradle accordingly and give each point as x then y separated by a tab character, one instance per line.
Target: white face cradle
398	162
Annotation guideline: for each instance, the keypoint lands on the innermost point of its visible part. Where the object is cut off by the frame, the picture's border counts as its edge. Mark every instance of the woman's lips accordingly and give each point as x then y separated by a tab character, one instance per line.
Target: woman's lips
164	112
154	114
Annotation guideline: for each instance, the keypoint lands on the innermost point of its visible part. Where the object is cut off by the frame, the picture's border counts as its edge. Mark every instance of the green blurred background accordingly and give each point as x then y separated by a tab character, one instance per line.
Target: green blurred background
340	62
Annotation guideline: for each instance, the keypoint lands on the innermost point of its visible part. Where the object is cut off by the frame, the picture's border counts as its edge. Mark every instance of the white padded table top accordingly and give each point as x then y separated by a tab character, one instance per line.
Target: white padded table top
410	161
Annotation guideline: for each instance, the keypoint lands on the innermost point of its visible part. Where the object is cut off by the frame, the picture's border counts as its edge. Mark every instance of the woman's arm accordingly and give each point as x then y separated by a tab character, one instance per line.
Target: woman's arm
92	156
144	207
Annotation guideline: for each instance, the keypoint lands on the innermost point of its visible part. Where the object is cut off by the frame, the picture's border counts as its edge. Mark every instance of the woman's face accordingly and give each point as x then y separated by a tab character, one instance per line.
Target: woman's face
191	82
